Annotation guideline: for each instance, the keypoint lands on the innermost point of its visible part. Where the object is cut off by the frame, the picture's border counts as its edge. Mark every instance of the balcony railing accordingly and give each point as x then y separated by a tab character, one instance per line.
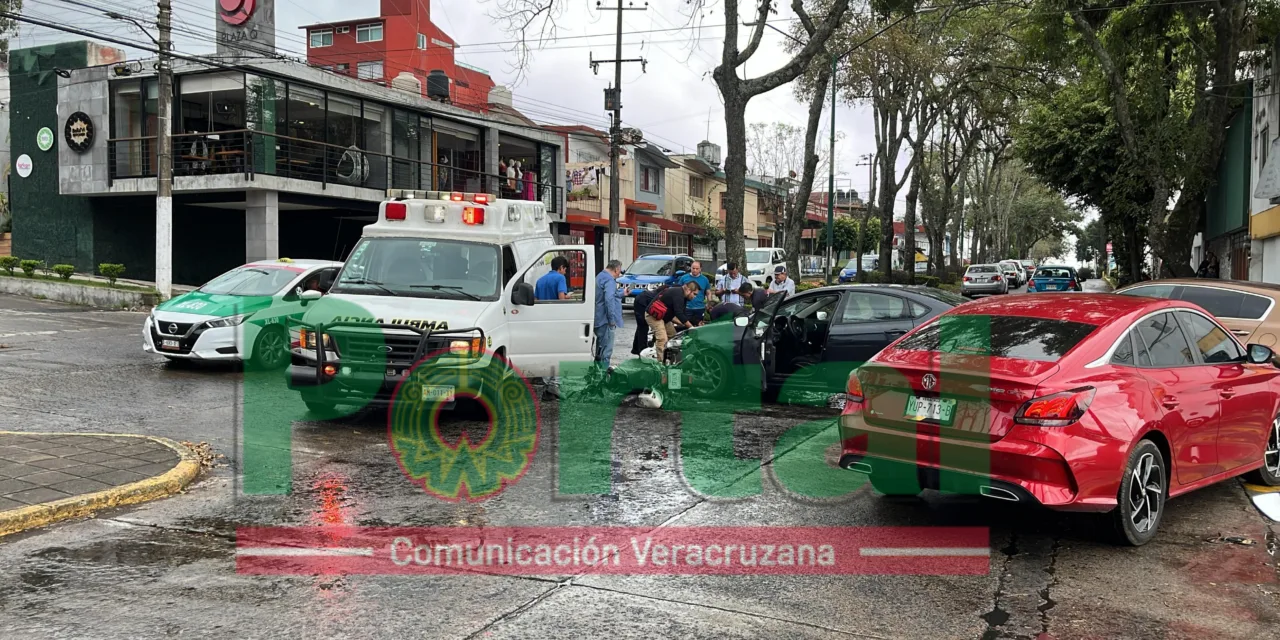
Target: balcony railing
251	153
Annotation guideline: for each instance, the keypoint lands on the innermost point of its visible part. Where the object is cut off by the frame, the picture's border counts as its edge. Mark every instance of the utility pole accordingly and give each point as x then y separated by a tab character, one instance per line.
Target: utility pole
613	102
164	156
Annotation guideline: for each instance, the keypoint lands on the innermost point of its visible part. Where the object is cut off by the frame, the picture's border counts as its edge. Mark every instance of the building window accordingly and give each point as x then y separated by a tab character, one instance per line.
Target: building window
322	38
441	43
649	179
344	29
369	32
697	188
371	70
422	41
1264	146
344	67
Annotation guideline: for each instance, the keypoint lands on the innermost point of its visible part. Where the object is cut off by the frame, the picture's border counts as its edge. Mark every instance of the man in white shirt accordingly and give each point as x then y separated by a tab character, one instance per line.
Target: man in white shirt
781	282
727	285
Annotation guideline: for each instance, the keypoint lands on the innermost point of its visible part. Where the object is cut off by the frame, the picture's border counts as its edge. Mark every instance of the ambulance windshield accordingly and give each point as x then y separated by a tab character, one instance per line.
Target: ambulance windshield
414	267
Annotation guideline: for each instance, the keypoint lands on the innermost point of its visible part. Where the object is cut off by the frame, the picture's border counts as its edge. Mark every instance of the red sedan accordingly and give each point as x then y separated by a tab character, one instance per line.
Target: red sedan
1076	402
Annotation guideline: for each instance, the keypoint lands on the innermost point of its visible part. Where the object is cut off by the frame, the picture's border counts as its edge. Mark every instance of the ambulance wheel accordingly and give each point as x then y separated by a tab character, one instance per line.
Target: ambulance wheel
271	349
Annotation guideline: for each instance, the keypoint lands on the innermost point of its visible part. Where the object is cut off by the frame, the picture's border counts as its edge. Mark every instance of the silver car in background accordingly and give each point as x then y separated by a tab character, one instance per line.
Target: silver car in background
984	279
1012	272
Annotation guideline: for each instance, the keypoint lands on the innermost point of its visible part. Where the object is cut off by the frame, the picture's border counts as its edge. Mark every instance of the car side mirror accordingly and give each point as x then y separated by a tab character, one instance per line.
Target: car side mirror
741	321
309	296
1259	354
522	294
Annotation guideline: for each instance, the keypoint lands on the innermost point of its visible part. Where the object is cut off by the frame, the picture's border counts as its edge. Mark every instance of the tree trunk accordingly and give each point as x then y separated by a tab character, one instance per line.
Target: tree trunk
798	207
887	194
909	219
735	169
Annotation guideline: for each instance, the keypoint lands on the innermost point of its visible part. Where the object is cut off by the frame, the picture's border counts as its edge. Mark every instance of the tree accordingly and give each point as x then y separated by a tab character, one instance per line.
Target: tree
775	150
1168	74
737	92
844	234
8	28
1091	244
1072	142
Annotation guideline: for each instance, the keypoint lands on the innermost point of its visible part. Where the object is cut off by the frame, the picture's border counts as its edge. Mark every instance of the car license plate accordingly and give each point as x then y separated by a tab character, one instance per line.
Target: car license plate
629	300
673	379
170	344
936	409
437	393
1056	287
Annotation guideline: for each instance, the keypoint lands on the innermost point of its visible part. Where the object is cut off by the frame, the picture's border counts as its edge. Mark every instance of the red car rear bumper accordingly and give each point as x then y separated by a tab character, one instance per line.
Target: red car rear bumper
1059	468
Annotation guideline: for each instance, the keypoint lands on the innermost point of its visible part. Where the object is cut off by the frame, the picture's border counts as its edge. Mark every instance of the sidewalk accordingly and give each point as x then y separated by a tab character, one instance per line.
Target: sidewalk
46	477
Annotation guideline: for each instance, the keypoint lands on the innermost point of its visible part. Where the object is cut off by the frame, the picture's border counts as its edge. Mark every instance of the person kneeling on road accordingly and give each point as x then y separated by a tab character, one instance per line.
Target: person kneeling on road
733	309
667	311
643	300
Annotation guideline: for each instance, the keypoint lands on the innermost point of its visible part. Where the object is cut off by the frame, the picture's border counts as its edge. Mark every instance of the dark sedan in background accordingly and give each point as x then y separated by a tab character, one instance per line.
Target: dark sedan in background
808	342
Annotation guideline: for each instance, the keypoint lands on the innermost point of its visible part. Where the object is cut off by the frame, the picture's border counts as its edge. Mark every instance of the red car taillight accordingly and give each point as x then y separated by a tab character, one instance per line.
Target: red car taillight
1071	285
1056	410
967	278
995	278
853	397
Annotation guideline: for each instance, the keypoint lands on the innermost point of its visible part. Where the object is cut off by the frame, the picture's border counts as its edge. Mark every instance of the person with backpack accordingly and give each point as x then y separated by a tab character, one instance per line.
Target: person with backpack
666	311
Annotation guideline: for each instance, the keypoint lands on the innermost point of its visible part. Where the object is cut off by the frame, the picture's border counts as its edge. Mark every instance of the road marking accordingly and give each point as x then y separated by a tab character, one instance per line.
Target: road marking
923	551
27	333
305	551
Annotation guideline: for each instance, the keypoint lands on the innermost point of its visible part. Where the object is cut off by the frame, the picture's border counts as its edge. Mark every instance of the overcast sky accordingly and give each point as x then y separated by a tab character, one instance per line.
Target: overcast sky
671	102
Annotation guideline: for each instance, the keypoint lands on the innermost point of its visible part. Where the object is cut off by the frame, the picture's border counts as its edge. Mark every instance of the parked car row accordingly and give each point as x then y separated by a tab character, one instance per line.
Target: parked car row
1102	402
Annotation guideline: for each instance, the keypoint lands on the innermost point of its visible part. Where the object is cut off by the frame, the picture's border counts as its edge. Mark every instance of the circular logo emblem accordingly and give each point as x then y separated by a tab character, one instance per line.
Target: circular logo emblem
173	329
23	165
929	381
79	132
44	138
482	460
236	12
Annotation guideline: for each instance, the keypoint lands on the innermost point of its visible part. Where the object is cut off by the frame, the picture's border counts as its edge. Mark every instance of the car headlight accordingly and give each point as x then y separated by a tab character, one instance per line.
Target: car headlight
229	321
653	287
306	339
466	348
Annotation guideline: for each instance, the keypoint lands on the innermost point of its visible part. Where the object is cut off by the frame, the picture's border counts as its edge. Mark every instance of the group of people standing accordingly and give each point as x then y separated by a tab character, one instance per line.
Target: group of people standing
668	309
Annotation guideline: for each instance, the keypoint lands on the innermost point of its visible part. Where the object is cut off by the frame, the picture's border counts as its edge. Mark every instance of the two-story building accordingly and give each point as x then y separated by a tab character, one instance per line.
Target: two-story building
401	40
1264	174
270	158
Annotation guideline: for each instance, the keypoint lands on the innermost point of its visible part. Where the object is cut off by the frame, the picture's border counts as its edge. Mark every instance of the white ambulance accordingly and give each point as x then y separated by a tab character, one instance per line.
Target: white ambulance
448	277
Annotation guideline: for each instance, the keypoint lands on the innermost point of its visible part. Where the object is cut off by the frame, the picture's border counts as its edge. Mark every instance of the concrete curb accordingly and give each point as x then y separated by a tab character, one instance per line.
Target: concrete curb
152	488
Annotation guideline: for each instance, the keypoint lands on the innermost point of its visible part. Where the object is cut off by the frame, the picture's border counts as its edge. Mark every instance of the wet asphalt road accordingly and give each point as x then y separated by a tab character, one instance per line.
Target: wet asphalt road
168	567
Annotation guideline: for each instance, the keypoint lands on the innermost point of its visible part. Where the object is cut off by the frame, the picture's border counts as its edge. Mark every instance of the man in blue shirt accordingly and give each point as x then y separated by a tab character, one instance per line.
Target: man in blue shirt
554	285
697	307
608	311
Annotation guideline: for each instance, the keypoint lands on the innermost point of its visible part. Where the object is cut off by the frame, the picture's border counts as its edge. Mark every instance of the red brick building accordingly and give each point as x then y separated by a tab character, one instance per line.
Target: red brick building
401	39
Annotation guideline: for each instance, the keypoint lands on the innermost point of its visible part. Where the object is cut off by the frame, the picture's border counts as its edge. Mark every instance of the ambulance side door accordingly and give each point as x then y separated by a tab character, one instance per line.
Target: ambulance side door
548	332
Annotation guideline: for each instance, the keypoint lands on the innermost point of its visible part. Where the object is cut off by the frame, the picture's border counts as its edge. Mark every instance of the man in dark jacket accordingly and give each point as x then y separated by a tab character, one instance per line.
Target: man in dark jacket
642	328
674	299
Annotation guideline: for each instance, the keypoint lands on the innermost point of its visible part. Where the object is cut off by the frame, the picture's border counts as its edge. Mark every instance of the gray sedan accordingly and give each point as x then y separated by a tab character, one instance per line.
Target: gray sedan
984	279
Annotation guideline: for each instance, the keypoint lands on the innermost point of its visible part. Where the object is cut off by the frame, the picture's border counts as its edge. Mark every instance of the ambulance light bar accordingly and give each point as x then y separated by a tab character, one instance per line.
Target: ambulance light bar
453	196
